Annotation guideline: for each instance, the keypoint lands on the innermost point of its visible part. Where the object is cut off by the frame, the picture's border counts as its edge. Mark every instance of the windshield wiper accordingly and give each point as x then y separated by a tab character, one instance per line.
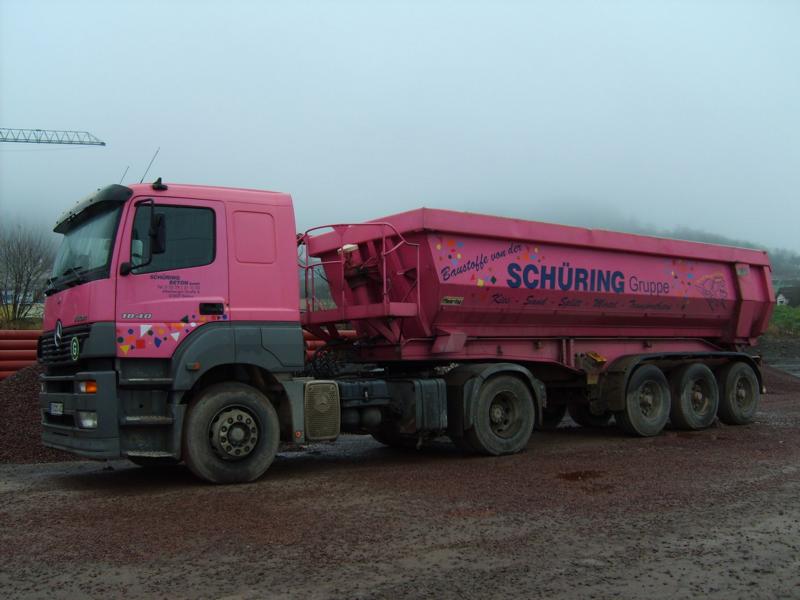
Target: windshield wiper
77	272
65	281
72	276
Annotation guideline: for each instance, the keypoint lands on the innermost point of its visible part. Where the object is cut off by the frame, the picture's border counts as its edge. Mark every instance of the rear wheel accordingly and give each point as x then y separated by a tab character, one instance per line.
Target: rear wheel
583	416
647	402
231	434
504	417
695	397
739	393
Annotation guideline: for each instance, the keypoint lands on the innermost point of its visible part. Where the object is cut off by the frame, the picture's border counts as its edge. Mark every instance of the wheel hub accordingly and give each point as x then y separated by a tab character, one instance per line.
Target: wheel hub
498	413
743	393
502	415
233	433
646	400
700	401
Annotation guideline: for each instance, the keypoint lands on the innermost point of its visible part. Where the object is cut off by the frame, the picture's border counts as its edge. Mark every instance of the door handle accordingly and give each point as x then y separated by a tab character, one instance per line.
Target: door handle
211	308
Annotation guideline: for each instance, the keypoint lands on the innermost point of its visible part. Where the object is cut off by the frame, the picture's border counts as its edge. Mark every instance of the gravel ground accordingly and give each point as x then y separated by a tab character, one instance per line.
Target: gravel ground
20	420
582	513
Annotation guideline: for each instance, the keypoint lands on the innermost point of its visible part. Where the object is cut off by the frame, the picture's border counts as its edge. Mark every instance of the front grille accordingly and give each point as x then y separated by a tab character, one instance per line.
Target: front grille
49	354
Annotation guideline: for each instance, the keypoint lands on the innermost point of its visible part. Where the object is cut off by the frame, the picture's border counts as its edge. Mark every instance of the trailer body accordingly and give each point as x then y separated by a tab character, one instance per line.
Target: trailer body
471	286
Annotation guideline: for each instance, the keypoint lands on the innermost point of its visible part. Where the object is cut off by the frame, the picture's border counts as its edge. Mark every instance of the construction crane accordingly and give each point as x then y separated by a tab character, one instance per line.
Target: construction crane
49	136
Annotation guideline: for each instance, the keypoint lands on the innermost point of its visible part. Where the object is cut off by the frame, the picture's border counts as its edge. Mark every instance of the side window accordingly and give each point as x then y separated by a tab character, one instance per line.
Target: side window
189	239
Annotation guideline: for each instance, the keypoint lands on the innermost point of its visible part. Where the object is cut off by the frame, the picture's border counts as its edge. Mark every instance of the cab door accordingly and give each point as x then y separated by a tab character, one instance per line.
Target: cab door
177	279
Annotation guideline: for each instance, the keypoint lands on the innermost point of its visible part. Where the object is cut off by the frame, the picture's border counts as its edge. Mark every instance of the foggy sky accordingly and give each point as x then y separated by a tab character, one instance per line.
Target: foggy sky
596	113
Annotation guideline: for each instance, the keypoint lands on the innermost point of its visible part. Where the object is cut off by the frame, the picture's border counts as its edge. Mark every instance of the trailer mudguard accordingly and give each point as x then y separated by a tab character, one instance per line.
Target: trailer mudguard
464	383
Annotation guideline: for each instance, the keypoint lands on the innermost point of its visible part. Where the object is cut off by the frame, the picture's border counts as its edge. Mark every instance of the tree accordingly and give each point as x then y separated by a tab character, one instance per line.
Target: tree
26	257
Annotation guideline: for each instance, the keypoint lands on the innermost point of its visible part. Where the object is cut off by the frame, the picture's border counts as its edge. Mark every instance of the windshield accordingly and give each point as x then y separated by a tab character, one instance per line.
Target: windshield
85	251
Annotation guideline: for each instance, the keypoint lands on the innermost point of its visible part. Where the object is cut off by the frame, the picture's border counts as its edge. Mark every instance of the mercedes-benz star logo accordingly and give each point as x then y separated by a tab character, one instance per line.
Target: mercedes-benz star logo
58	334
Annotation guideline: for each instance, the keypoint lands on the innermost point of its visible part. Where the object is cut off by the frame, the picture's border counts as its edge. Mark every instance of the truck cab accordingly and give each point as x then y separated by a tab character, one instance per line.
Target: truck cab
155	288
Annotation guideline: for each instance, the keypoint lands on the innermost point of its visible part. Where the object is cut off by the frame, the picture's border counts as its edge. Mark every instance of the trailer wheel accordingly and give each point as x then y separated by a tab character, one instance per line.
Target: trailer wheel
504	417
739	393
647	403
584	417
552	415
231	434
695	397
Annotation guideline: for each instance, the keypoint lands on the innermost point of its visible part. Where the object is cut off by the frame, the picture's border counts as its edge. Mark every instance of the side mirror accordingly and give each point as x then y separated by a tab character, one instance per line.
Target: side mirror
141	252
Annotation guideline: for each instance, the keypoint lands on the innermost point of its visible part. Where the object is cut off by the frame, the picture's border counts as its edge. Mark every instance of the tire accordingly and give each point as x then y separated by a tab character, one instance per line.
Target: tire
504	416
647	403
214	417
739	393
695	397
584	417
552	416
154	462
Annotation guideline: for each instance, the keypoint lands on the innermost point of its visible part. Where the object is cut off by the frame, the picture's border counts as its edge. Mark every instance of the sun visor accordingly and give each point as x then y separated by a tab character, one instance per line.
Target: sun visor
91	205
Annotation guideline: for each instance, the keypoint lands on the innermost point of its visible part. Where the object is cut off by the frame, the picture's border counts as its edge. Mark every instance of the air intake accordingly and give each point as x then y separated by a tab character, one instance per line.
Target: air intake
322	410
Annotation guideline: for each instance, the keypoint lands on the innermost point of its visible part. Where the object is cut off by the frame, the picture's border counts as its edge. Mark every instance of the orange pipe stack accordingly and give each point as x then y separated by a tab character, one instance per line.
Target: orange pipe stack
17	350
313	343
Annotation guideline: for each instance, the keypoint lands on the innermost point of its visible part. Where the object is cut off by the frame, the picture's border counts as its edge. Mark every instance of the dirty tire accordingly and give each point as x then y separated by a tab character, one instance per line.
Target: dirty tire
154	462
552	416
739	393
584	417
504	416
211	455
695	397
647	403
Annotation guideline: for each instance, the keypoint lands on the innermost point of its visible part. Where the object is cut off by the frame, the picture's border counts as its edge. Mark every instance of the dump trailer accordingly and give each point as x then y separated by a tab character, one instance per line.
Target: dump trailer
175	330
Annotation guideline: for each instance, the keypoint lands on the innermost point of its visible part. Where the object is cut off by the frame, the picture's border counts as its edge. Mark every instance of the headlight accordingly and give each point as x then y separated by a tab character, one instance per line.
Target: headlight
87	419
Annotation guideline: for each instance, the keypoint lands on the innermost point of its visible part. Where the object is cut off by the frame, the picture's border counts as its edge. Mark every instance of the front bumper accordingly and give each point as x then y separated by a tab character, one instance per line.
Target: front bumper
62	431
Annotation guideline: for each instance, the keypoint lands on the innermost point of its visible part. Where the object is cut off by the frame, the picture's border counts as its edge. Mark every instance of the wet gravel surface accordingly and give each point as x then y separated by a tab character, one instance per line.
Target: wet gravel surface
20	420
582	513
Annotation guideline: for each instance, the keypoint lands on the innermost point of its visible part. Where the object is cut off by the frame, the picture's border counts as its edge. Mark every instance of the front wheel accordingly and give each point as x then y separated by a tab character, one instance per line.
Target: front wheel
504	417
647	402
231	434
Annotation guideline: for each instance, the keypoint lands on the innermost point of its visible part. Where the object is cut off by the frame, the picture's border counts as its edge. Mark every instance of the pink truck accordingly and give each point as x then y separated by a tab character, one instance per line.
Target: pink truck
174	330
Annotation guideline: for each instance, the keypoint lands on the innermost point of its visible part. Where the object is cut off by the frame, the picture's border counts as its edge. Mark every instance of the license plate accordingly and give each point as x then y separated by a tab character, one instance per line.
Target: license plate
56	409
